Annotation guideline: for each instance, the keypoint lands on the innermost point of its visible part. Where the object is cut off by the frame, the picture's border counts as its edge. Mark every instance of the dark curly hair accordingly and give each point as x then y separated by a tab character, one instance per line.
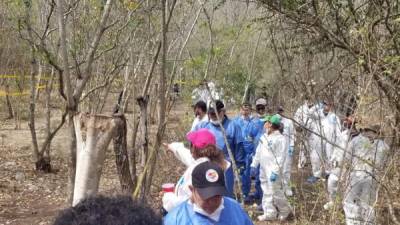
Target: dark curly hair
101	210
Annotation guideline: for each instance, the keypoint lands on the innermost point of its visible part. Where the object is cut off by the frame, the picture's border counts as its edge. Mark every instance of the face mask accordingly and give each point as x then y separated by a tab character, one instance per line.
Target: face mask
214	122
215	215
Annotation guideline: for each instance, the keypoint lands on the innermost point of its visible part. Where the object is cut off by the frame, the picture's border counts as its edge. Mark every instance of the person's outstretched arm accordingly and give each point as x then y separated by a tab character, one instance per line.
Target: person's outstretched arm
181	152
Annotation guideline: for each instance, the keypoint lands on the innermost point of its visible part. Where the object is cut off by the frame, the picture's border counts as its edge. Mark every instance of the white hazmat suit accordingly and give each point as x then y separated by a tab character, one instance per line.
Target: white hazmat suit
325	130
301	114
289	134
365	159
270	155
301	118
336	165
201	93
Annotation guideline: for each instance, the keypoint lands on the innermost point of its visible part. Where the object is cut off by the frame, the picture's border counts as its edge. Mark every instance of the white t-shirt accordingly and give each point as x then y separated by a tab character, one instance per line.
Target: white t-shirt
182	191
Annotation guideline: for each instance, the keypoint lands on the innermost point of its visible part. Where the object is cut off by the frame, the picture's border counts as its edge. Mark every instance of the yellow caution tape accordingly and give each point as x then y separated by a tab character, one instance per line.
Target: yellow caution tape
3	93
23	93
47	77
5	76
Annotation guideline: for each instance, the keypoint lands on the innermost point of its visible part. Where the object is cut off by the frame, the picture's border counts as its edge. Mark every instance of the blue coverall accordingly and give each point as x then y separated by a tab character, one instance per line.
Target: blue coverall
249	128
235	141
232	214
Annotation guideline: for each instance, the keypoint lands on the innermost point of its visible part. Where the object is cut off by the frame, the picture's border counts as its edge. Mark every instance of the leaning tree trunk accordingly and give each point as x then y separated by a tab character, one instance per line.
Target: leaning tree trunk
122	157
93	135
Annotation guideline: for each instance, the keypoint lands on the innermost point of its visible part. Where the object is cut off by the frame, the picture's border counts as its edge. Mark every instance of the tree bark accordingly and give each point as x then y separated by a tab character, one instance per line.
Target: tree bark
121	156
8	102
91	151
161	98
143	140
33	74
71	108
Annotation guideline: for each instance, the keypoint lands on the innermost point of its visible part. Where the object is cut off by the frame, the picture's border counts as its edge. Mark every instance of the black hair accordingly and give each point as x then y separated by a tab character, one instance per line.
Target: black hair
201	105
260	107
220	105
101	210
246	104
275	126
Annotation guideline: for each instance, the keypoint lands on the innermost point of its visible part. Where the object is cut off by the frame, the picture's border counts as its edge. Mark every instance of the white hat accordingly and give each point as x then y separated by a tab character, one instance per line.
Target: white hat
261	101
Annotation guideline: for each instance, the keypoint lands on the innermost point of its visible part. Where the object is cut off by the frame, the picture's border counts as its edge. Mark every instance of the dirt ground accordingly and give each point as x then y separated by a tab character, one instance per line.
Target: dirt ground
30	197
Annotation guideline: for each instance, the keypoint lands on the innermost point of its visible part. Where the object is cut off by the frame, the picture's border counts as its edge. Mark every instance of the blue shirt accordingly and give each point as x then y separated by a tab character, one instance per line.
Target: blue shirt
232	214
234	136
249	128
260	130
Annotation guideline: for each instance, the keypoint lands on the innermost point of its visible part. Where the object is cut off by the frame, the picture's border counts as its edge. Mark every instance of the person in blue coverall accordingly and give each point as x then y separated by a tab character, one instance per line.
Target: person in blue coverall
249	128
207	206
259	121
235	140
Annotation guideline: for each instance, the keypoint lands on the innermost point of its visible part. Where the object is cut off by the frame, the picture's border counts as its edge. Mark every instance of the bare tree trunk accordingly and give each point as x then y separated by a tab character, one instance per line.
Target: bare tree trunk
143	140
143	179
132	149
8	102
72	155
249	77
44	162
122	158
33	74
91	151
32	105
17	118
143	94
39	77
132	152
71	107
49	88
161	98
153	105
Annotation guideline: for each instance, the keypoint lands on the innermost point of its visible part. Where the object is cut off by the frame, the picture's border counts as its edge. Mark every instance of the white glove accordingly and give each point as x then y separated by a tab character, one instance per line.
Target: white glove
168	201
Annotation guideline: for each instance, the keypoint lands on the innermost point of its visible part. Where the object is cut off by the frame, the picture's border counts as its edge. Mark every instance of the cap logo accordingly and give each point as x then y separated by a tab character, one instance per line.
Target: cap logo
211	175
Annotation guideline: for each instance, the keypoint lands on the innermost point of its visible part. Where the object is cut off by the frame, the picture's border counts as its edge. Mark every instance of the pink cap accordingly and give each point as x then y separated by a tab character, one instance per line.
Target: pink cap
201	138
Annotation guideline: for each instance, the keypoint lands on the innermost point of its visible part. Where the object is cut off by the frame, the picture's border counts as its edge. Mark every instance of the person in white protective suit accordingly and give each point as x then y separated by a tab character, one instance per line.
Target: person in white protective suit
200	93
202	149
206	91
366	156
301	119
289	133
270	155
325	127
349	131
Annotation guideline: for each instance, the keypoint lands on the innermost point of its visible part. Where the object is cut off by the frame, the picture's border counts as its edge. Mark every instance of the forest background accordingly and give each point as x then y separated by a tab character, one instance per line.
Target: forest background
118	61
